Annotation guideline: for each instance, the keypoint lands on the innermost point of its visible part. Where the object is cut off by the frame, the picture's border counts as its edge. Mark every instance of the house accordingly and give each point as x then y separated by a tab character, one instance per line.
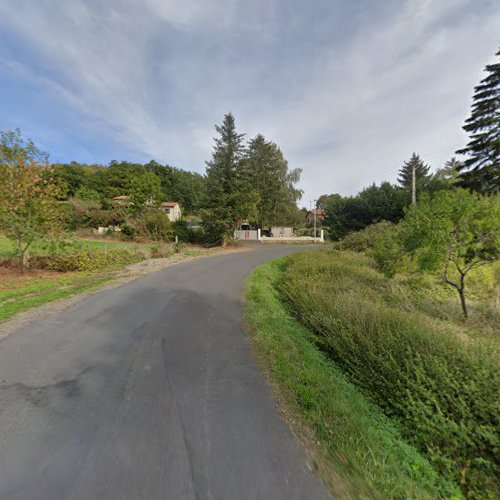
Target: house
282	232
320	216
172	209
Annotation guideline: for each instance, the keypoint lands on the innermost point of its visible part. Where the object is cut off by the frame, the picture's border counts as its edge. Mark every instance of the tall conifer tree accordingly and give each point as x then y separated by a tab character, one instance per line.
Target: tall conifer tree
229	198
481	169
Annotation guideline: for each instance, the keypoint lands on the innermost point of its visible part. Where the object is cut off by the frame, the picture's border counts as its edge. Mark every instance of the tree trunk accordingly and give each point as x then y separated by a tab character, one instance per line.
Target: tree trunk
23	259
462	301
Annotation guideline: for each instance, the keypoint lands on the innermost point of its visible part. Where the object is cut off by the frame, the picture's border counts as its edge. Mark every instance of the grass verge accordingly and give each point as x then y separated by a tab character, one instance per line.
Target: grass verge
17	295
356	449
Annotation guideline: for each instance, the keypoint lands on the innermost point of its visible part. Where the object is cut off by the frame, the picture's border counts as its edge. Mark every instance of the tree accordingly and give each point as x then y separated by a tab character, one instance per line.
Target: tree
185	187
373	204
405	174
229	197
454	232
266	171
28	194
480	171
145	191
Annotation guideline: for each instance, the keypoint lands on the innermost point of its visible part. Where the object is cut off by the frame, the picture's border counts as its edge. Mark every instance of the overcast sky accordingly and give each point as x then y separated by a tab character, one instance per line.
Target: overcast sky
348	89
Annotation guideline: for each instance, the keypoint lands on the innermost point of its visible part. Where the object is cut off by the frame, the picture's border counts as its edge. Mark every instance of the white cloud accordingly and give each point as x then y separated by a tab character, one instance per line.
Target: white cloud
348	107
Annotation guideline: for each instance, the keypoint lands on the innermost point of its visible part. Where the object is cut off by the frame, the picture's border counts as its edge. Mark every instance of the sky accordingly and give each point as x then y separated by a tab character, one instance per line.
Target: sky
347	88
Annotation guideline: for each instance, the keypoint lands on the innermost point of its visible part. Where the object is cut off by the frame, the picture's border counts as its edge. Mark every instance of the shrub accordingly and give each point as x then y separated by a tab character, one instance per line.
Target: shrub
359	241
444	393
151	224
182	231
87	260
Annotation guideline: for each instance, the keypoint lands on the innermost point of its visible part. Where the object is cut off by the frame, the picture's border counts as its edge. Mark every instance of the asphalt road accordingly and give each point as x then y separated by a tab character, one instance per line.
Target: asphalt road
147	391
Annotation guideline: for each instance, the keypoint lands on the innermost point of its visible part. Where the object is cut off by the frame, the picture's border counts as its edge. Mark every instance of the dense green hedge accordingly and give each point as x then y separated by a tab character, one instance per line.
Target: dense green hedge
88	260
443	391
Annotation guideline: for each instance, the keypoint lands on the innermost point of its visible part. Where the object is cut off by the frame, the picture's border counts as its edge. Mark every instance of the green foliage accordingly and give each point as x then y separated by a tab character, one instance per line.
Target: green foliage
87	194
186	188
444	392
422	176
481	169
362	454
364	239
150	224
375	203
266	171
453	232
182	231
145	191
28	194
230	197
87	260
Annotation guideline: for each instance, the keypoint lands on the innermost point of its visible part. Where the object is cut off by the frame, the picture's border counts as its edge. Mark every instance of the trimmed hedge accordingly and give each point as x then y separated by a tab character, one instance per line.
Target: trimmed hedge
443	392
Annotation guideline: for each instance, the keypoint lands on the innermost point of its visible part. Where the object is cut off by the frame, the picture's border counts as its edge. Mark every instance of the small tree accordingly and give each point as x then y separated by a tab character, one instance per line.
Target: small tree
455	231
28	194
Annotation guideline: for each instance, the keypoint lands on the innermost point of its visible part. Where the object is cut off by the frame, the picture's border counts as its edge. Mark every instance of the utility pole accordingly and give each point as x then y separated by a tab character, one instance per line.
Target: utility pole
413	185
315	201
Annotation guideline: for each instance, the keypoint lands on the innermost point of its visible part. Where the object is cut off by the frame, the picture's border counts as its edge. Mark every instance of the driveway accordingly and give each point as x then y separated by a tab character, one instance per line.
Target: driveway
147	391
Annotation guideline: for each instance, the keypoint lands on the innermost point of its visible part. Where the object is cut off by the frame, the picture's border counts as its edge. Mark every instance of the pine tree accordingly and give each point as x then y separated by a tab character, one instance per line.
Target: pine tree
229	198
222	169
481	170
422	175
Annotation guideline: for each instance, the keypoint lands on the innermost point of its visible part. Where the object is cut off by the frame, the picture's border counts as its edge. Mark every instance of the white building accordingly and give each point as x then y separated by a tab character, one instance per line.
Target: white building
172	209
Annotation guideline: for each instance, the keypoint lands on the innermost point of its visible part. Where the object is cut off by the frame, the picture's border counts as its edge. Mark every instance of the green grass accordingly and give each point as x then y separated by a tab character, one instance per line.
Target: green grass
358	451
46	289
433	374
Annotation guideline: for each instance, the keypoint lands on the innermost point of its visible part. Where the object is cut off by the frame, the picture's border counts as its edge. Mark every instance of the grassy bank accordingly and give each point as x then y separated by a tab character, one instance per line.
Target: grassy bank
434	375
19	293
358	452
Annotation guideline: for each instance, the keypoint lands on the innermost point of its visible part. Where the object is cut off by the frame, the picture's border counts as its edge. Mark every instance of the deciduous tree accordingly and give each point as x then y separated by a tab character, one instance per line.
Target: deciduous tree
28	194
453	232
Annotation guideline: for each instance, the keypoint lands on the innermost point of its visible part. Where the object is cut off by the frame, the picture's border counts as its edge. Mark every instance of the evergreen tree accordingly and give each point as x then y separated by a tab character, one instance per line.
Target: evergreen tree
422	175
229	198
481	170
266	171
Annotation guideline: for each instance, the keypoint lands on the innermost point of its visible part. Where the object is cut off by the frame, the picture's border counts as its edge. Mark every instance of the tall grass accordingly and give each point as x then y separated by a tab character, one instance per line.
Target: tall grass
442	390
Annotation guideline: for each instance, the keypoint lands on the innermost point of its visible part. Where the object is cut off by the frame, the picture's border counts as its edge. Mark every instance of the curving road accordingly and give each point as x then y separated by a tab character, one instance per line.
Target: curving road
147	391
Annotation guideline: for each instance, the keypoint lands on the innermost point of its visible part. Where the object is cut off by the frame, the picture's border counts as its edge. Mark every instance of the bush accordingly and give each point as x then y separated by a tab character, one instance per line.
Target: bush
360	241
444	392
87	260
182	231
151	224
